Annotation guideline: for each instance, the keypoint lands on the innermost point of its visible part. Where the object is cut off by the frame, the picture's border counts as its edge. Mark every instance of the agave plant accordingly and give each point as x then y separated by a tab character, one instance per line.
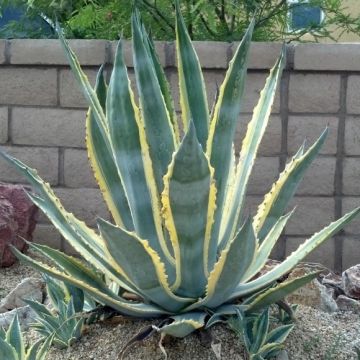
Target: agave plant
12	346
260	343
180	242
64	322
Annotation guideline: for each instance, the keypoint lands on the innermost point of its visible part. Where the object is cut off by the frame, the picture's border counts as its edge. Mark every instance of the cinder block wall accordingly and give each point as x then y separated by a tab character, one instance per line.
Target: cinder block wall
42	117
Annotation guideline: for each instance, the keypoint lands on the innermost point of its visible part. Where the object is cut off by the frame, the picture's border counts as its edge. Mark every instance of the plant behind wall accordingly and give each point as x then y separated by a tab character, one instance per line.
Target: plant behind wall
221	20
181	241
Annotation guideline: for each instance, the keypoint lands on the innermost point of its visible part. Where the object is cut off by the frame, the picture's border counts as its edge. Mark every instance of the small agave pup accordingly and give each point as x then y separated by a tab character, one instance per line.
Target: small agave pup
12	344
180	242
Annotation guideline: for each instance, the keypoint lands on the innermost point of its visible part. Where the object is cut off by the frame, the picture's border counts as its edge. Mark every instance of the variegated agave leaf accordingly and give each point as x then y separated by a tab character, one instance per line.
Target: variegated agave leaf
179	241
259	342
12	344
64	322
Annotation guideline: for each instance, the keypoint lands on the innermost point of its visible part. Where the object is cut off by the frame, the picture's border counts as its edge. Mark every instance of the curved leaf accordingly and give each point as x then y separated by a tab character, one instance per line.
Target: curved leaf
259	331
130	308
83	239
280	291
185	324
14	337
193	99
39	351
103	164
82	79
158	127
250	145
131	152
266	247
231	266
76	268
165	89
276	201
188	207
233	263
279	334
142	265
223	125
294	258
7	351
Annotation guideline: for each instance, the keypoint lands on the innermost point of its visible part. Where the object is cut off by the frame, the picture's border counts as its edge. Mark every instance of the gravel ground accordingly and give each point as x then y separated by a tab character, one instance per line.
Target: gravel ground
317	336
11	276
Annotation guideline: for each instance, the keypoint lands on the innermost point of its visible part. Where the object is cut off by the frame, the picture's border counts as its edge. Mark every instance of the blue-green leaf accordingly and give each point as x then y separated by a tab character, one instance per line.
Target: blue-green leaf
185	324
142	265
255	131
188	206
223	126
14	337
193	101
158	127
131	152
103	164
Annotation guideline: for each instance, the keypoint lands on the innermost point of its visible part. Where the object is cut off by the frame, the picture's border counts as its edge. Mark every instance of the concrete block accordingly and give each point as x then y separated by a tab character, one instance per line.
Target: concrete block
44	160
47	235
264	174
351	252
49	127
351	176
212	54
77	170
263	55
353	95
319	179
309	128
128	56
50	52
352	136
318	93
271	142
333	57
70	91
255	82
28	86
311	215
3	125
213	79
2	51
324	254
86	204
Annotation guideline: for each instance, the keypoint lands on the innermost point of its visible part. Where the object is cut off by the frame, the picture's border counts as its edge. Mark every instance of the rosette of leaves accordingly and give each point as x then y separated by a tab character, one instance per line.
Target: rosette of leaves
12	345
180	241
64	321
259	342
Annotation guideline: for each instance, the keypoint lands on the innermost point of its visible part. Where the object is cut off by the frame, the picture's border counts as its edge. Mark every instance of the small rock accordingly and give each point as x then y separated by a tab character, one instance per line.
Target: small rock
312	294
29	288
25	314
332	280
282	355
351	282
347	304
327	302
18	216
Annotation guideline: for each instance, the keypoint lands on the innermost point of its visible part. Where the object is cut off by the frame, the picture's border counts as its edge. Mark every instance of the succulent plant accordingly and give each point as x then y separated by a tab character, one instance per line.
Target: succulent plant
12	345
260	343
180	242
64	321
